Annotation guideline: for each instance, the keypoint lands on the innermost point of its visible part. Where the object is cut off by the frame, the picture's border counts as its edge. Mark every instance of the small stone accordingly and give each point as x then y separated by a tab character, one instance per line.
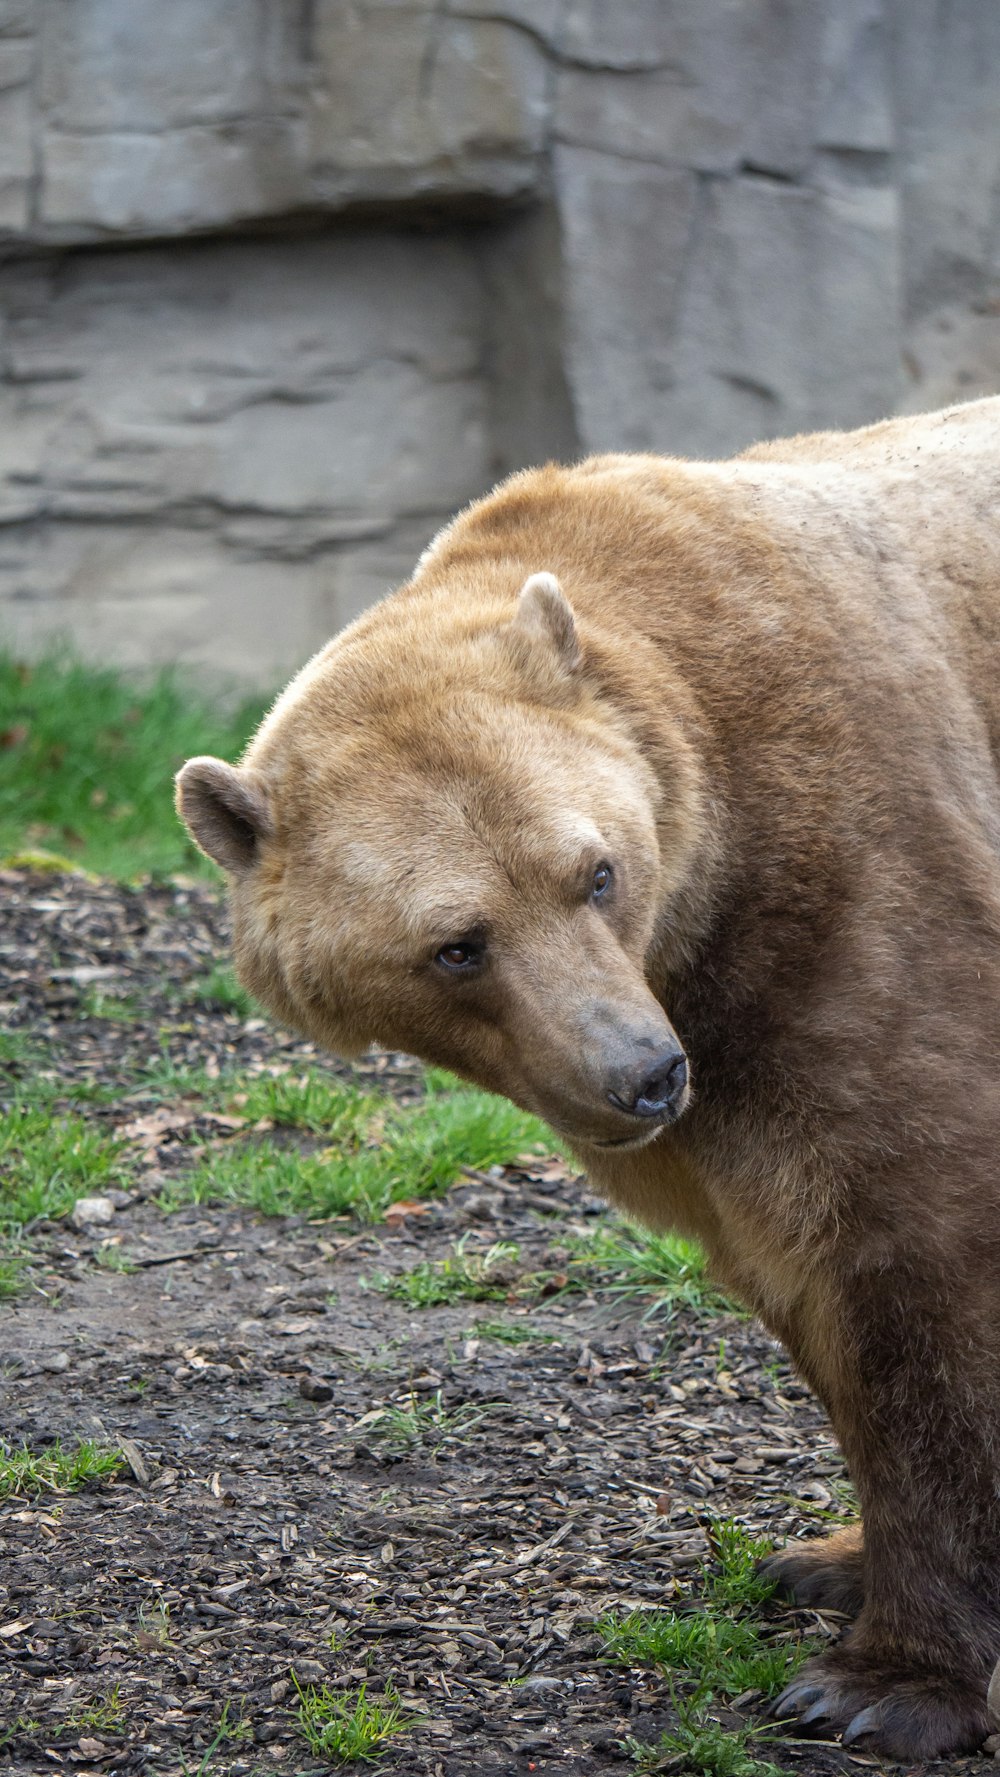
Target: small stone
56	1363
89	1211
313	1388
309	1671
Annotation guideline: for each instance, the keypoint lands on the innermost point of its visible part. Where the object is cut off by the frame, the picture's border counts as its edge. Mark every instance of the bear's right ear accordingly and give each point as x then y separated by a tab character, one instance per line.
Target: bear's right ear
544	614
225	812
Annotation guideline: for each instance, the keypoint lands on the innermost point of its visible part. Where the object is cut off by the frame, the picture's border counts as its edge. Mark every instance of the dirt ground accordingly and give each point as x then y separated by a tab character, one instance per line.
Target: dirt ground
266	1527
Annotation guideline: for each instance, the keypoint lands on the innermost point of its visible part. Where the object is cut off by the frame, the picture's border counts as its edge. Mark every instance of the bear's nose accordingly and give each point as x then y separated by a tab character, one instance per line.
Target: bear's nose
658	1089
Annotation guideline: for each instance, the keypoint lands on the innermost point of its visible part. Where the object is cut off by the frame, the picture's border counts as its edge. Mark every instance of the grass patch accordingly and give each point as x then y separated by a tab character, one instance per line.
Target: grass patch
349	1725
87	761
220	988
375	1150
17	1049
281	1181
628	1261
427	1145
313	1101
462	1277
710	1653
105	1714
735	1582
727	1655
47	1162
512	1332
116	1008
419	1422
55	1470
705	1748
13	1261
111	1258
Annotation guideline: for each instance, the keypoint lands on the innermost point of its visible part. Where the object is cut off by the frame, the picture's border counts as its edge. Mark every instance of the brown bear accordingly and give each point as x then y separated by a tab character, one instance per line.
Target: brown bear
664	799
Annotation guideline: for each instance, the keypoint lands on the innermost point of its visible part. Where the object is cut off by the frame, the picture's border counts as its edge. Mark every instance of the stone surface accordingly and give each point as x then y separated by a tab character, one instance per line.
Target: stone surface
445	238
207	458
212	113
442	109
791	320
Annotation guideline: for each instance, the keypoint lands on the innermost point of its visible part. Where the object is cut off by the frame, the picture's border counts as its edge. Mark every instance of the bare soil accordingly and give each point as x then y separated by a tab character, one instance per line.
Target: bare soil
265	1528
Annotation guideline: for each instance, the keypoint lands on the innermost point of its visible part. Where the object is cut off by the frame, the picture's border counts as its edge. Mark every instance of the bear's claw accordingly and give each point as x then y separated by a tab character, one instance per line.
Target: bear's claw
794	1697
899	1716
867	1721
817	1713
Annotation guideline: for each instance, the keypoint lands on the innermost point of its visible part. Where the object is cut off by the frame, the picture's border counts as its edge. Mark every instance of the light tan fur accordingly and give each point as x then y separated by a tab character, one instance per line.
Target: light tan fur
765	695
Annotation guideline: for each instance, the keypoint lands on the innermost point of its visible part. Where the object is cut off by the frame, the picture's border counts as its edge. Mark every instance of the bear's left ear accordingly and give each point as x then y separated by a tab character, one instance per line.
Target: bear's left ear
225	812
544	614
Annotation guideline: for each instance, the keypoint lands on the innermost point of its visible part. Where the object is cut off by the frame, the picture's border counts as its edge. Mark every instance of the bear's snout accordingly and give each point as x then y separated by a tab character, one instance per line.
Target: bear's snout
658	1087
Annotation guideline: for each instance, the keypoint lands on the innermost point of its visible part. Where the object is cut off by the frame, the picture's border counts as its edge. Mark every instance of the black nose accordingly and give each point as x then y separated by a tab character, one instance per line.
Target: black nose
659	1089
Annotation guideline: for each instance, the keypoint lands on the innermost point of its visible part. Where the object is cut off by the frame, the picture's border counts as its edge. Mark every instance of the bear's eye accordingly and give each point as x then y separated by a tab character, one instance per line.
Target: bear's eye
603	878
460	957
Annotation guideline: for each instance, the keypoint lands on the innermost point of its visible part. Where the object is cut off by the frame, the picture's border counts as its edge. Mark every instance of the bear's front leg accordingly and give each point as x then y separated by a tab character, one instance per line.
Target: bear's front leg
912	1381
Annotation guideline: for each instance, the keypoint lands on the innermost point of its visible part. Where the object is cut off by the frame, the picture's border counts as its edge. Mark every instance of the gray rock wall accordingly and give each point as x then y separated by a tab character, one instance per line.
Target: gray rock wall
284	282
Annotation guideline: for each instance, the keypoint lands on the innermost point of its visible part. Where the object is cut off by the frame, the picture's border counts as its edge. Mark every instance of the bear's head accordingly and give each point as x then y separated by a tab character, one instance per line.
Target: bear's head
446	839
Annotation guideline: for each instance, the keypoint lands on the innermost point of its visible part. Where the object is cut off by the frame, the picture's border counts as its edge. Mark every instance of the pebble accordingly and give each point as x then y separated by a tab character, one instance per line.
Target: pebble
312	1388
87	1212
309	1671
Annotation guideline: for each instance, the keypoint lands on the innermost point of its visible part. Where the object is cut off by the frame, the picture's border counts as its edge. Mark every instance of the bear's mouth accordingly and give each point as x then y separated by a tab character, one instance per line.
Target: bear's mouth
641	1140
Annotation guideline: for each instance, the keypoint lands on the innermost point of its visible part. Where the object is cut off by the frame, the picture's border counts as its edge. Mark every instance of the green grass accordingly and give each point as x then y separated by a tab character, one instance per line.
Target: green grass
105	1714
455	1126
47	1162
375	1151
17	1049
728	1655
704	1748
734	1582
710	1653
87	759
221	989
56	1470
425	1421
349	1725
629	1261
512	1332
312	1101
462	1277
13	1261
117	1008
279	1181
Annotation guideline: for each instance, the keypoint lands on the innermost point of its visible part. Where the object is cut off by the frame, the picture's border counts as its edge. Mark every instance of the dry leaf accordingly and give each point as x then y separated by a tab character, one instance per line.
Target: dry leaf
149	1131
403	1207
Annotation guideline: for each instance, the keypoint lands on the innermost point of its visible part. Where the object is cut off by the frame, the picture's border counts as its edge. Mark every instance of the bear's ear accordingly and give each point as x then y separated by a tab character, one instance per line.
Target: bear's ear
545	614
225	812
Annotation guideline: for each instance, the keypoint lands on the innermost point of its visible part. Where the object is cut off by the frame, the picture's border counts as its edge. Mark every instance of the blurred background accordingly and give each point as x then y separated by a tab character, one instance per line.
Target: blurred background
285	282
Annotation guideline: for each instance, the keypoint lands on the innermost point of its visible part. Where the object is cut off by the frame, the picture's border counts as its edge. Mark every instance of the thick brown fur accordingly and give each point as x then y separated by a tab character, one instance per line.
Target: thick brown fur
777	717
